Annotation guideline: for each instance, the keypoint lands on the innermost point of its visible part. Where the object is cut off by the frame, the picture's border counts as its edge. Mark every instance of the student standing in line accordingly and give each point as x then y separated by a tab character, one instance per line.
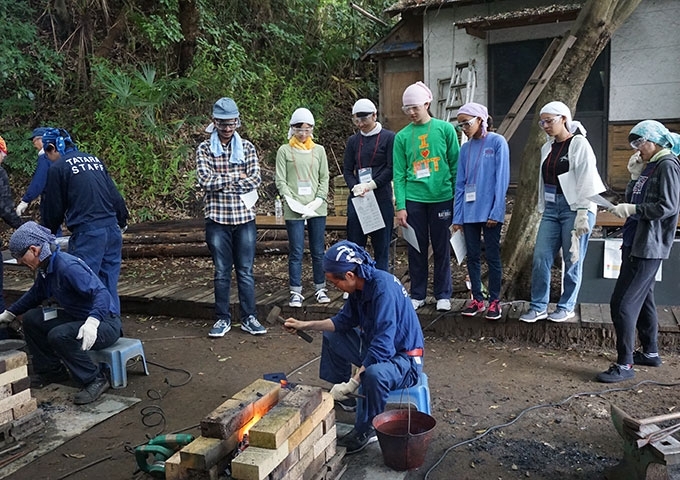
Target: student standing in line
367	167
565	224
302	175
653	196
39	180
479	207
425	163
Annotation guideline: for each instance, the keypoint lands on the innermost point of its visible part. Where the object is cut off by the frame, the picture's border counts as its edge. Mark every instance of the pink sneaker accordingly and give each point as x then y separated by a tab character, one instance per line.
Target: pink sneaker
473	308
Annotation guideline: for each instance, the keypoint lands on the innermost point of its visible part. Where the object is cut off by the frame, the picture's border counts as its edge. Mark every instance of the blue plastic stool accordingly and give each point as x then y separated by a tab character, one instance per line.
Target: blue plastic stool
417	396
116	357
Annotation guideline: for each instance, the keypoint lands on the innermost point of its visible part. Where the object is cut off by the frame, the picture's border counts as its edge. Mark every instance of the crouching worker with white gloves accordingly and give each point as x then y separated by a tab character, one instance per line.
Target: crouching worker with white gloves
377	330
58	338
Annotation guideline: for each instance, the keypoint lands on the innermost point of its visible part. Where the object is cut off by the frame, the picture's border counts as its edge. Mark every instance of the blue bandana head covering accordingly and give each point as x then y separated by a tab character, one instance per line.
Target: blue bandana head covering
345	256
656	132
58	137
31	234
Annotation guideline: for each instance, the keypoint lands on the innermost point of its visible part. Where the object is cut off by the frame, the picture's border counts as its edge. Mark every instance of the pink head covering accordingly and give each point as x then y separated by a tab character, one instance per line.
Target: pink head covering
416	94
476	110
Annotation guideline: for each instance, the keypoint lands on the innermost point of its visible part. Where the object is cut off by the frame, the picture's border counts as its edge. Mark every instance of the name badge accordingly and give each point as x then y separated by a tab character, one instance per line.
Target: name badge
423	171
49	313
365	175
470	193
304	188
550	193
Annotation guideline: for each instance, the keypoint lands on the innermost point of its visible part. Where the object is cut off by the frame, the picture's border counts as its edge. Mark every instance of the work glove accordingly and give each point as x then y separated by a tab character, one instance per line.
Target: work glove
21	208
581	225
623	210
313	205
574	248
88	333
360	189
6	317
636	166
341	391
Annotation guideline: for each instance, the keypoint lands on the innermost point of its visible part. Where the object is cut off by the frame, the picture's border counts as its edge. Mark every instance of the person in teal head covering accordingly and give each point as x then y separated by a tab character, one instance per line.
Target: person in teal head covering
651	213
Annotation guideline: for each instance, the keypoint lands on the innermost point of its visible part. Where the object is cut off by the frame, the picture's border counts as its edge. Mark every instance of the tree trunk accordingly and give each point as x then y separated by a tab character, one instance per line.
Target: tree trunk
188	19
593	29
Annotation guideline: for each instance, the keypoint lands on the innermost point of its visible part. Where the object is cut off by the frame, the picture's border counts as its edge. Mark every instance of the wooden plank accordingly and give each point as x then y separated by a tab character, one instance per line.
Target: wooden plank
12	359
667	321
591	314
13	375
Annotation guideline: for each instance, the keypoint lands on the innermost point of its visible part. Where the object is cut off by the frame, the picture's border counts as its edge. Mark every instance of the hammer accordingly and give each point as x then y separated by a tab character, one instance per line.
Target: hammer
275	315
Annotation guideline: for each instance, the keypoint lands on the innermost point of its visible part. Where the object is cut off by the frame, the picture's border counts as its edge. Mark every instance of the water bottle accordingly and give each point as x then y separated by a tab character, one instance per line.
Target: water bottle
278	210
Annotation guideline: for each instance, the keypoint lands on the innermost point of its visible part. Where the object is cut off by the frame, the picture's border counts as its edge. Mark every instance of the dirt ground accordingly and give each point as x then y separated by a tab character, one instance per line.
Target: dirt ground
478	385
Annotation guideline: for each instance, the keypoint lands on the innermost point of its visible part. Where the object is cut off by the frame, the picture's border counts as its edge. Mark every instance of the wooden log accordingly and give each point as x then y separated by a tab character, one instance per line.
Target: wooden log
270	247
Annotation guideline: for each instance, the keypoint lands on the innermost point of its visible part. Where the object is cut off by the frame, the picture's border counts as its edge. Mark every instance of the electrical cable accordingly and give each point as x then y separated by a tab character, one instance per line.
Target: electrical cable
543	405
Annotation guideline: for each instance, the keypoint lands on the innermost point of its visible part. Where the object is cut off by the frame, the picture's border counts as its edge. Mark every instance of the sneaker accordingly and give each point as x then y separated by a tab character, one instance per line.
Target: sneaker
356	441
321	296
41	380
639	358
615	374
295	299
475	307
220	328
92	391
252	326
532	316
443	305
348	404
417	303
561	315
494	311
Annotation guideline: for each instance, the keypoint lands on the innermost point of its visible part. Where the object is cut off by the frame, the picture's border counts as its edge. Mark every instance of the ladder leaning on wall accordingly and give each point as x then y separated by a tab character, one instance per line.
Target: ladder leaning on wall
461	88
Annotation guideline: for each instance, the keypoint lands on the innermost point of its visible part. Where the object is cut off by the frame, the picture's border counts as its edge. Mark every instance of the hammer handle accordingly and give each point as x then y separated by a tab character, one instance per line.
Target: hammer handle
303	335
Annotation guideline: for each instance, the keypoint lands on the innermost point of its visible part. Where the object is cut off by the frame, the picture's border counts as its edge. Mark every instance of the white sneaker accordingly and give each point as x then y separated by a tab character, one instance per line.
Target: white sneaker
443	305
322	297
295	299
417	303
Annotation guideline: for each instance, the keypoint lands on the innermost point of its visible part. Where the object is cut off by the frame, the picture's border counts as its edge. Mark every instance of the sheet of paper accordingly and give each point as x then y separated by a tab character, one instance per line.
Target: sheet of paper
410	236
459	247
569	187
298	207
368	212
601	201
612	260
250	199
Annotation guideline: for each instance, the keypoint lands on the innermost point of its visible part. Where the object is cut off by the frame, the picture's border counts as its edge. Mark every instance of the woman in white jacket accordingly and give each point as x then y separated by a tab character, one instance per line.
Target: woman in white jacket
568	178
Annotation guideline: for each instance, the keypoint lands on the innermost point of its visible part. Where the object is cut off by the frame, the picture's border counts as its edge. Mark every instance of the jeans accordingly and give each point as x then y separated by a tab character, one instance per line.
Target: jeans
554	232
430	221
633	306
380	239
316	228
101	249
492	251
232	246
54	341
341	350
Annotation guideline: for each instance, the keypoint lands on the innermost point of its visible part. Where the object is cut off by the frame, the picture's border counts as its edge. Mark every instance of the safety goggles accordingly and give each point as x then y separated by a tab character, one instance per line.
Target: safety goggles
408	109
466	124
548	121
362	118
637	143
304	130
227	124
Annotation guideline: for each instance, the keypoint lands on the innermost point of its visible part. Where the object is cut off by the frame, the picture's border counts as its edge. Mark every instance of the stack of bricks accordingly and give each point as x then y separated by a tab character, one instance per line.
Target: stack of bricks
291	436
19	412
340	195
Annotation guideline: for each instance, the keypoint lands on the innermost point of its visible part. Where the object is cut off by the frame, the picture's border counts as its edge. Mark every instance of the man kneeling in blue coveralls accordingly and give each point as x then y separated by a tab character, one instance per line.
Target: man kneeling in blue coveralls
377	330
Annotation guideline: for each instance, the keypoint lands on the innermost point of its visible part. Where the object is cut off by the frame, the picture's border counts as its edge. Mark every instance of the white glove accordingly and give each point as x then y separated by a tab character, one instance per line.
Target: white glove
6	317
360	189
581	225
314	204
574	248
623	210
636	166
340	391
88	332
21	208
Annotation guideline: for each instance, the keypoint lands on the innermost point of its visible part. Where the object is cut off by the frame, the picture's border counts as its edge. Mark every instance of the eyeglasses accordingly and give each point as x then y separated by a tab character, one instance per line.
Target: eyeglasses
411	108
637	143
548	121
466	124
224	124
362	118
304	130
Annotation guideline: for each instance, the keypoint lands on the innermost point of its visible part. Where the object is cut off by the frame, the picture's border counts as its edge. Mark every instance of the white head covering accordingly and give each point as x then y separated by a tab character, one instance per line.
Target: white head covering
559	108
364	105
301	115
416	94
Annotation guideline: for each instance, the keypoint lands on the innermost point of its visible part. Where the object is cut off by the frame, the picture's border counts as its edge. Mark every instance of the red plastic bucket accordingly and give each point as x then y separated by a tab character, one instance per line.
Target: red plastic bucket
404	437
